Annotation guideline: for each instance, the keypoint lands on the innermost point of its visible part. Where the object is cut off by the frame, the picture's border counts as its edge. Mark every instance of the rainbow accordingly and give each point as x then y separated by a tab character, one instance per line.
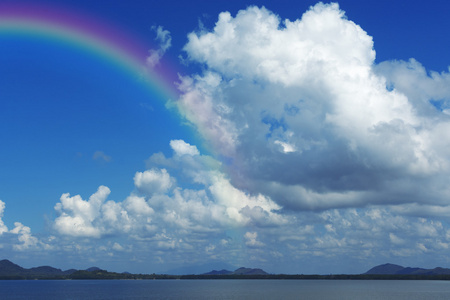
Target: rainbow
99	38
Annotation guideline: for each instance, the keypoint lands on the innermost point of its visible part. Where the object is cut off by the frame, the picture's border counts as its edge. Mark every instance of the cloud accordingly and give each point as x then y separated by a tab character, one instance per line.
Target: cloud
210	207
20	237
419	85
318	154
100	155
153	181
3	227
24	236
251	241
182	148
164	39
174	215
76	216
305	117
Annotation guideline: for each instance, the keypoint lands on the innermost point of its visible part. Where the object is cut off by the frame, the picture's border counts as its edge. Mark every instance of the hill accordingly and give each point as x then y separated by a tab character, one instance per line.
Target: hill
240	271
391	269
199	269
386	269
248	271
221	272
9	269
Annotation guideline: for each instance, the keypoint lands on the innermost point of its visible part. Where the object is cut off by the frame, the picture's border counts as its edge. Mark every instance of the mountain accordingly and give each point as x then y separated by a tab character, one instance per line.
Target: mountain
93	269
199	269
46	271
390	269
240	271
7	268
221	272
385	269
248	271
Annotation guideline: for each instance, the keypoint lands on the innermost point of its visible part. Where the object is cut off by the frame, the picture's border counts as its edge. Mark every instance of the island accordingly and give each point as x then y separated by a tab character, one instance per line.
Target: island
11	271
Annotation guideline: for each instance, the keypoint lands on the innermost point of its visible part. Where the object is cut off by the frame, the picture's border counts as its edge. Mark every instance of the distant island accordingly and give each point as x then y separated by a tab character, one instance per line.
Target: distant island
240	271
11	271
391	269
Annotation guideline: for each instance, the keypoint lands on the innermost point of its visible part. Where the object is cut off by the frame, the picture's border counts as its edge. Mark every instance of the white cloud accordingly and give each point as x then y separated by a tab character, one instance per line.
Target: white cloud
76	216
181	210
251	239
3	227
286	148
182	148
164	39
20	237
197	104
241	207
307	119
26	239
252	45
118	247
137	205
153	181
395	239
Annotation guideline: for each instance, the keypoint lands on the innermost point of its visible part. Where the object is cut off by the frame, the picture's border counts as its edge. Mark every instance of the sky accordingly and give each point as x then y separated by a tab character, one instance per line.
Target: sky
299	137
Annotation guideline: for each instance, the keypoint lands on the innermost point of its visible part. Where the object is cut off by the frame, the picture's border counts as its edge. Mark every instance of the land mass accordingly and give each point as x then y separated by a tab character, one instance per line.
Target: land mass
9	270
391	269
240	271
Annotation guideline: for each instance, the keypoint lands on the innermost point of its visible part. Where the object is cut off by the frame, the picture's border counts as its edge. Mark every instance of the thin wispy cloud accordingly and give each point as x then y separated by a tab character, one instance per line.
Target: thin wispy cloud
101	156
164	40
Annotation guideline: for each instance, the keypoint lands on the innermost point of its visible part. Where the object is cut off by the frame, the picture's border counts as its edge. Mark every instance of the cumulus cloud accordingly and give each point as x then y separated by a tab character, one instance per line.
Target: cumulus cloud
182	148
164	39
212	206
20	237
76	216
153	181
306	118
26	239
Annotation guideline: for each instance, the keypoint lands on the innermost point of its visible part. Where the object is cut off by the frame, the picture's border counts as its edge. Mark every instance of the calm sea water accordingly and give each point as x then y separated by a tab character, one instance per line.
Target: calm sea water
224	289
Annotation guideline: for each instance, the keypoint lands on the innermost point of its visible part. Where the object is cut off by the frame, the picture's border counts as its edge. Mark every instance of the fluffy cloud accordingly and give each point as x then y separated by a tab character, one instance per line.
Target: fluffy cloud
174	214
419	85
306	118
77	215
182	148
153	181
20	237
24	236
211	207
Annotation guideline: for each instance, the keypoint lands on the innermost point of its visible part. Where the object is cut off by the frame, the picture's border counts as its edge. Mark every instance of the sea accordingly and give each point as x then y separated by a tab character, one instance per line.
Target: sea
224	289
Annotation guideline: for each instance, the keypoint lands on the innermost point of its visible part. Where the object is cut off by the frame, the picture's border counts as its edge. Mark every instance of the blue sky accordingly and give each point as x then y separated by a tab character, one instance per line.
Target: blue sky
313	145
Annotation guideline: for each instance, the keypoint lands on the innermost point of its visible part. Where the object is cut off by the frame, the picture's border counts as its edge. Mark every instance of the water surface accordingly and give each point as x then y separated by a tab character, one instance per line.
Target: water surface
224	289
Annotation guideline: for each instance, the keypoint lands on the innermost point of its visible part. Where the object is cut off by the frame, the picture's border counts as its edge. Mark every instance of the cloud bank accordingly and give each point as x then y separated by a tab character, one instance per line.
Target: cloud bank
213	204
